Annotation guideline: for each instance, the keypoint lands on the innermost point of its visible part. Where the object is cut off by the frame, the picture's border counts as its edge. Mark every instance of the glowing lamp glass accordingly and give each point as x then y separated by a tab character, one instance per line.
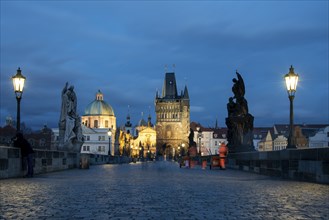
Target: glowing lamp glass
18	83
291	81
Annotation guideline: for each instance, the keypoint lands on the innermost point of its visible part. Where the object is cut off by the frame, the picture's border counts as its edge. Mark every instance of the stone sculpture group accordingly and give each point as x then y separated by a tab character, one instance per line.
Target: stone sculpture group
239	122
70	131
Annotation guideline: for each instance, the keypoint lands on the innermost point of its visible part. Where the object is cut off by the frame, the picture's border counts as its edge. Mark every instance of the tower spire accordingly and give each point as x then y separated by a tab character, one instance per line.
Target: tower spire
128	123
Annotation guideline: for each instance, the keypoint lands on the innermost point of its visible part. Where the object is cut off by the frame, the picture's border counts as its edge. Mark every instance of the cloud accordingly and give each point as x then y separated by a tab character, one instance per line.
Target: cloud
122	48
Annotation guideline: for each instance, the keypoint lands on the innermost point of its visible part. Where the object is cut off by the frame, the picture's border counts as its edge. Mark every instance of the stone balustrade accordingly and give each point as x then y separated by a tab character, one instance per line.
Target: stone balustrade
299	164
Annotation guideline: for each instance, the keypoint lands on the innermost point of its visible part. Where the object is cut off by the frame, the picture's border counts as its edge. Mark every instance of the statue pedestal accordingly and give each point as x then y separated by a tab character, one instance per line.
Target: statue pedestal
240	135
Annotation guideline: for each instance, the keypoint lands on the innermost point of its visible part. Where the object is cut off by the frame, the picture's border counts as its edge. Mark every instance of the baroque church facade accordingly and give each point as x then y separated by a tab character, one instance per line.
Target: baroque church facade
172	118
98	119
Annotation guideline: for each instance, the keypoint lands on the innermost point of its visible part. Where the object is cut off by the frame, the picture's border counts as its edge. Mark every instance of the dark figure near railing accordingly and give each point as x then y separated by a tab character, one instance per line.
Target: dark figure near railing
26	152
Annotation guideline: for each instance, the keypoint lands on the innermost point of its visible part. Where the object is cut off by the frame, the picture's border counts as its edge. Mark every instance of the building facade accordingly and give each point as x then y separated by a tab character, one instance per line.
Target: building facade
172	117
266	144
96	141
280	142
320	139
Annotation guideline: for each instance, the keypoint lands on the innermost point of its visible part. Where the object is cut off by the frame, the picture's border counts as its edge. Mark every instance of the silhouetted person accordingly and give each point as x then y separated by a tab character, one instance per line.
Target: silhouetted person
27	153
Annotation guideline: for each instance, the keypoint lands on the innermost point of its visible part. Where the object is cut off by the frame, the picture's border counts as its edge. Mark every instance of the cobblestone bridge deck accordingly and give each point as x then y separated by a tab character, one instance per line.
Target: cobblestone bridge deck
160	190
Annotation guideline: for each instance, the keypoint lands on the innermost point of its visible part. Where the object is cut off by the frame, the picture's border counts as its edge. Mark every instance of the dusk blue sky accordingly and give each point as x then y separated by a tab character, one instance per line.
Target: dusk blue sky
122	47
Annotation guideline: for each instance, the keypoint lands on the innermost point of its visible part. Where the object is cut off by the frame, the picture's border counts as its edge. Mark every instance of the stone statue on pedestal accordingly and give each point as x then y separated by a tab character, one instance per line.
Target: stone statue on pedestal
70	131
239	122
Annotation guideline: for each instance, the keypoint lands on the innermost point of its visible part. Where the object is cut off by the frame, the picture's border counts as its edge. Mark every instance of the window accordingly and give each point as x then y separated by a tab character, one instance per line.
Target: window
88	148
215	143
88	138
96	123
106	123
84	148
42	142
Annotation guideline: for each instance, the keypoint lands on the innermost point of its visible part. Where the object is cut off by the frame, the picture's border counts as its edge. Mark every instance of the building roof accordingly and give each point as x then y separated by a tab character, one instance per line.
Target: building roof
169	89
99	107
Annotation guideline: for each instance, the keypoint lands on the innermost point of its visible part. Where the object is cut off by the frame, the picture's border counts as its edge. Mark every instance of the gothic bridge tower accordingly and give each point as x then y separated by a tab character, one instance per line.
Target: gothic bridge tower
172	119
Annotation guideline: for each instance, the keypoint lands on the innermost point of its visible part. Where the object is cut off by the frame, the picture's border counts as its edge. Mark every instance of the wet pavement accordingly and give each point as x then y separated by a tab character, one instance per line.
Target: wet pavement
160	190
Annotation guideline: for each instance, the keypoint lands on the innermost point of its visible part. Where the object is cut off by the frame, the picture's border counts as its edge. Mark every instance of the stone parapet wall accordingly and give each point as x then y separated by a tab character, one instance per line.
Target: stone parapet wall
298	164
44	161
10	162
49	161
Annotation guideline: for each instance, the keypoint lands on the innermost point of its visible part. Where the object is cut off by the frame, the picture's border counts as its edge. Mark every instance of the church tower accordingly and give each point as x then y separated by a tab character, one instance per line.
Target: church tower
172	118
128	125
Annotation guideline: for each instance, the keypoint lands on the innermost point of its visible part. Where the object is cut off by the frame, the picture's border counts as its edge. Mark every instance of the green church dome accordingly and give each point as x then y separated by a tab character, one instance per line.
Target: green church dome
99	107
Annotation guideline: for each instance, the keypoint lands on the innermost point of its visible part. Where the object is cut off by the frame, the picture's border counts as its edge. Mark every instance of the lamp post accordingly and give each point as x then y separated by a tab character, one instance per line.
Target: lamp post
199	138
109	133
291	83
18	82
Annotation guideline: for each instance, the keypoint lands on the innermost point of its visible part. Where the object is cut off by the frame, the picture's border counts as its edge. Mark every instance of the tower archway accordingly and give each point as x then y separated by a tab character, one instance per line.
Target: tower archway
169	152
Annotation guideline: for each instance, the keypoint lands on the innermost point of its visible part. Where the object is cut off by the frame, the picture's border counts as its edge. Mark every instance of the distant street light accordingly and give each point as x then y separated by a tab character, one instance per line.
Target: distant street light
199	138
109	133
18	82
291	83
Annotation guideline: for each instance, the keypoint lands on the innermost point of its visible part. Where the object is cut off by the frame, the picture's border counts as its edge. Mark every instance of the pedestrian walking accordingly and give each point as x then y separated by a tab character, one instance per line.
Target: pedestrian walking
26	152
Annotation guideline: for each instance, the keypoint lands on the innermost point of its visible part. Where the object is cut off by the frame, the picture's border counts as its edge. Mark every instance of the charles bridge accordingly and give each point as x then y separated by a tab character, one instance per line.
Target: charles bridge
289	184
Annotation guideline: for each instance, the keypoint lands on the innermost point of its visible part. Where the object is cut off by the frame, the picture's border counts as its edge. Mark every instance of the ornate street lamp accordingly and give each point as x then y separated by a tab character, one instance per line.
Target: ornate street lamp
109	133
18	82
291	83
199	138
